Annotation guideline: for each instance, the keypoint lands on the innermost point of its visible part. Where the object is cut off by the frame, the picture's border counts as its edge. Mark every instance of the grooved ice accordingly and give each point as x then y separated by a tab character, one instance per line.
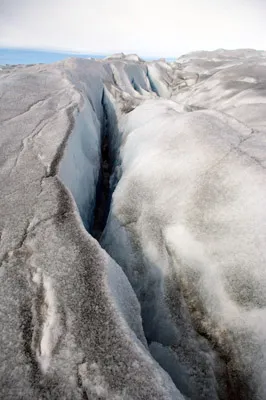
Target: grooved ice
133	228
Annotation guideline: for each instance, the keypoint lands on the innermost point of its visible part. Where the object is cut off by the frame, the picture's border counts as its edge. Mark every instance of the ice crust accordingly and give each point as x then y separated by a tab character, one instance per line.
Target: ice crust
170	304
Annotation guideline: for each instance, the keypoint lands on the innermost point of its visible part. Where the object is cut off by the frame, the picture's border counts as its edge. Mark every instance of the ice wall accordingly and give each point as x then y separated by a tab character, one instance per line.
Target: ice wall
186	224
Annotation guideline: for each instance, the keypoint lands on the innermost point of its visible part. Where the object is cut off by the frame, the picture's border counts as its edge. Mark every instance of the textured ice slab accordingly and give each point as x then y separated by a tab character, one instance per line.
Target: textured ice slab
229	81
175	309
70	322
187	225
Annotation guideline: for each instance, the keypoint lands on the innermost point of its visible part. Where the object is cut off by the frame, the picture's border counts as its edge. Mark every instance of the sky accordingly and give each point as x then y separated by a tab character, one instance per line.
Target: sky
161	28
24	56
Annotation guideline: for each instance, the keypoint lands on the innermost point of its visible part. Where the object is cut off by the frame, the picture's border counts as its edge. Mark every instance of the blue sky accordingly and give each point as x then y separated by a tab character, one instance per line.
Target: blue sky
151	28
25	56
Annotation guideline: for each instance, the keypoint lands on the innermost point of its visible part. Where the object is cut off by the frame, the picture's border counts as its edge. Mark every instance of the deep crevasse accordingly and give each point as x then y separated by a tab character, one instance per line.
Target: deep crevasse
183	226
195	364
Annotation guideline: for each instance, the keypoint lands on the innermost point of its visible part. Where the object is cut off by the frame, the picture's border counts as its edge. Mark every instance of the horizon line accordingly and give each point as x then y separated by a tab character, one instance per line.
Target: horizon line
81	52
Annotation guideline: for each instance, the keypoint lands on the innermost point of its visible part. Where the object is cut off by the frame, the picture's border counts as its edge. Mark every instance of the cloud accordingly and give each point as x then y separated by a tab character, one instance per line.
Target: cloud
147	27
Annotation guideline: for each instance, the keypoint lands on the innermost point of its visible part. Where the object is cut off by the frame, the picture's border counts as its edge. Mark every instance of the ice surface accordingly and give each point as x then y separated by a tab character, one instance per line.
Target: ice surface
71	324
171	303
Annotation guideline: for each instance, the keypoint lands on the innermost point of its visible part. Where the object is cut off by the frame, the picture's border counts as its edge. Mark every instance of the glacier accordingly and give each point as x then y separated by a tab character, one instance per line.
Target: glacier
132	228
